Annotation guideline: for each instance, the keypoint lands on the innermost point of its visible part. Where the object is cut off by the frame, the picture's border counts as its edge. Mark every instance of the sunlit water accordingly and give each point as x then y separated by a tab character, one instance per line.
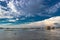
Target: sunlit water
30	34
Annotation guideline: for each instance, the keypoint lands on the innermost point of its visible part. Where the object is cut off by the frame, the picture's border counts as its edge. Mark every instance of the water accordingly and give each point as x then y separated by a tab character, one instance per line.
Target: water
30	34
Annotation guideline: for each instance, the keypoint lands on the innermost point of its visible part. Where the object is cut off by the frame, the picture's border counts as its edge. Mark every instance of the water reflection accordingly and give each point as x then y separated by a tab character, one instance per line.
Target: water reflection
30	34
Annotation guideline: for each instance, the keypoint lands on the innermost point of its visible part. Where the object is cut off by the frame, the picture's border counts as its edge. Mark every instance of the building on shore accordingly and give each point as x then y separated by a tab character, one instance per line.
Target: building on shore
49	27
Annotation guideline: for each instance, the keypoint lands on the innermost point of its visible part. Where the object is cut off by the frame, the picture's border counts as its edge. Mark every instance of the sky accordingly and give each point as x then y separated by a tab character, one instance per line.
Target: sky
28	12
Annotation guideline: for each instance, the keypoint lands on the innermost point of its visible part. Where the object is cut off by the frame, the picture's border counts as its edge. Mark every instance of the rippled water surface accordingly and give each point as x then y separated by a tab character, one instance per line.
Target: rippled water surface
30	34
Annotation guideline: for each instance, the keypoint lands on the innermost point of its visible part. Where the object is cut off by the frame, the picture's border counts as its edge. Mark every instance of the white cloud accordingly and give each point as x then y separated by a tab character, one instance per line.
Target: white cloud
11	5
24	7
46	22
6	17
15	11
52	20
1	0
53	8
4	14
12	20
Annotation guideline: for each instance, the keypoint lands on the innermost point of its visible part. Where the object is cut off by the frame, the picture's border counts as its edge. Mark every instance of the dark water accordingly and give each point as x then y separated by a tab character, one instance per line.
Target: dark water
30	34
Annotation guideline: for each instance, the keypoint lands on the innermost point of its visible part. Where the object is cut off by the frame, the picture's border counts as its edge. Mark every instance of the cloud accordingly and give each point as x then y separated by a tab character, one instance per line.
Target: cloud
11	6
43	23
23	9
13	20
1	0
30	8
4	14
53	8
47	22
